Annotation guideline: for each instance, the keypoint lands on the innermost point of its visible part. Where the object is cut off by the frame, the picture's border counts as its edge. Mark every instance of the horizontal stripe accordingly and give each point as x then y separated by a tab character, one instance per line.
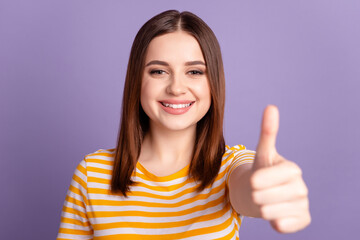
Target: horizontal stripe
62	236
156	208
148	194
75	222
189	233
174	218
154	214
161	224
74	231
151	202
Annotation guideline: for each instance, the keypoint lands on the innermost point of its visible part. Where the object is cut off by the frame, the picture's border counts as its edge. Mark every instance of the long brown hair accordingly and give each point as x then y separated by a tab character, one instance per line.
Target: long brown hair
209	143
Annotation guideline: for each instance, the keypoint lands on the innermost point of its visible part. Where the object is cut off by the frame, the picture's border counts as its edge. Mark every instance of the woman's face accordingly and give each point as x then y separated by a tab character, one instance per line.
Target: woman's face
175	91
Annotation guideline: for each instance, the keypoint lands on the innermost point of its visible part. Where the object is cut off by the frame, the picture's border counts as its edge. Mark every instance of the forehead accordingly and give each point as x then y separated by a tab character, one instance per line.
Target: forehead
174	47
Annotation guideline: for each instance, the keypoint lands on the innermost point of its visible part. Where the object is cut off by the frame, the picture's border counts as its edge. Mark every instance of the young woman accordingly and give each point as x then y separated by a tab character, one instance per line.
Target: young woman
171	176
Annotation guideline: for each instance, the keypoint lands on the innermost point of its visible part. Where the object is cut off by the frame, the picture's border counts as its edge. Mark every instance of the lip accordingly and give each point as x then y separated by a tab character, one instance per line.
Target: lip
173	101
176	111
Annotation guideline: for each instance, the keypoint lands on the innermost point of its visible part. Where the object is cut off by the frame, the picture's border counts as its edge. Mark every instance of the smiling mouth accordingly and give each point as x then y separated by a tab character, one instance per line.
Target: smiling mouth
176	106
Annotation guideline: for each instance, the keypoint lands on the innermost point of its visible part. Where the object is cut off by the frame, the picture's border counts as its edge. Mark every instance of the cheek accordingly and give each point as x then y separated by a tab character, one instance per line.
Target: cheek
148	96
203	91
146	90
207	96
145	95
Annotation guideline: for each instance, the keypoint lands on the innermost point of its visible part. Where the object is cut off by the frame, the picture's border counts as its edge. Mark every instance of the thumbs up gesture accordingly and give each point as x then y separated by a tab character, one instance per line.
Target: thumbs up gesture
277	188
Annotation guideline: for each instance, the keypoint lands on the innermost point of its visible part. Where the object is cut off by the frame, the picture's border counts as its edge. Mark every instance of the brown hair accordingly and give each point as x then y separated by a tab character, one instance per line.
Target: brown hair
209	143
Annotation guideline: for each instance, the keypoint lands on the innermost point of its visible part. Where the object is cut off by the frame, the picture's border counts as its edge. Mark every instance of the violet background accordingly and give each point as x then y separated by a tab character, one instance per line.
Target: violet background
62	69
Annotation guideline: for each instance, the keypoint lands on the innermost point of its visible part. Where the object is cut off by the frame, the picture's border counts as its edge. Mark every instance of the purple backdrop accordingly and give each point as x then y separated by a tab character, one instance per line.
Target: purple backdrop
62	68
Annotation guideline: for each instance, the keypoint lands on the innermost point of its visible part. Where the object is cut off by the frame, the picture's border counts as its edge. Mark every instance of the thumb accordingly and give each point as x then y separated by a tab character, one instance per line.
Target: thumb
266	151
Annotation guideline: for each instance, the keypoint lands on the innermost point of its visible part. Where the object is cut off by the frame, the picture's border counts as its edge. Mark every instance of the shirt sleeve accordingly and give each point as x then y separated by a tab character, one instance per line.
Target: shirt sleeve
74	223
238	155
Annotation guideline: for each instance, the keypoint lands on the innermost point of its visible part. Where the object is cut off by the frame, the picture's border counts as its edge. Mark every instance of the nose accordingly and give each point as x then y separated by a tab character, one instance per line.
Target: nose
176	86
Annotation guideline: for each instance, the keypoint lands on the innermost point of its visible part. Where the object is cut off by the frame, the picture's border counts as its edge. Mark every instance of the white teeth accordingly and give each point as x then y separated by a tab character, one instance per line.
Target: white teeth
176	105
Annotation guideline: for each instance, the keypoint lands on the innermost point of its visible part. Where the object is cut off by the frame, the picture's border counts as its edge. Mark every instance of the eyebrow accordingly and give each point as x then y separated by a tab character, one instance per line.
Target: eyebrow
158	62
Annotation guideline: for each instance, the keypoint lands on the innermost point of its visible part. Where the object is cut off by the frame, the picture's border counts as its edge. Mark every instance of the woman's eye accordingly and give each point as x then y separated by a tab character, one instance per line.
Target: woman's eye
195	72
157	72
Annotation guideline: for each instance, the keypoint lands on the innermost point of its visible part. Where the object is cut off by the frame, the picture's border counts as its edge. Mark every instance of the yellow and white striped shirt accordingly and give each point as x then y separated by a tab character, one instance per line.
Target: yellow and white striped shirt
157	208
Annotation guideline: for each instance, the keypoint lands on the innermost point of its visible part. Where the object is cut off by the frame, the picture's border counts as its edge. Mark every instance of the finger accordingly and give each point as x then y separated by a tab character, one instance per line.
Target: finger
281	173
291	224
293	190
296	208
269	128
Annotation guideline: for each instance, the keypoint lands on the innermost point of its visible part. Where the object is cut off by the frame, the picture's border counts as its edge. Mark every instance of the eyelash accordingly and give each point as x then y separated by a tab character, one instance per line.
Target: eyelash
156	71
194	72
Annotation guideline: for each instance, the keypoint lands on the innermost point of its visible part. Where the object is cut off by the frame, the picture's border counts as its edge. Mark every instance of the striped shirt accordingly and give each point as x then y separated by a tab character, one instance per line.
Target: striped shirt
157	208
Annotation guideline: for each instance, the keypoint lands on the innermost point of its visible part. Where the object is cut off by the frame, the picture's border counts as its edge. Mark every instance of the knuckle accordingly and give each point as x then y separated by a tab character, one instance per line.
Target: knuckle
293	167
302	191
306	205
308	219
305	221
302	207
305	191
297	170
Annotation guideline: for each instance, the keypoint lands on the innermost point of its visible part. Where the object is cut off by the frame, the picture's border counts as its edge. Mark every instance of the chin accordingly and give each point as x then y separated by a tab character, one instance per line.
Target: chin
178	127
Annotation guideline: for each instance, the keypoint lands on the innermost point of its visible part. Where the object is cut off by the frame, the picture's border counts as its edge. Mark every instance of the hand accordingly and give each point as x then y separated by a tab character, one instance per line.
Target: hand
277	187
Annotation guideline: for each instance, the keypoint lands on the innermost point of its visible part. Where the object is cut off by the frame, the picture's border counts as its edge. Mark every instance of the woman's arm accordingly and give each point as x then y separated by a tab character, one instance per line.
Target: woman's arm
240	191
272	187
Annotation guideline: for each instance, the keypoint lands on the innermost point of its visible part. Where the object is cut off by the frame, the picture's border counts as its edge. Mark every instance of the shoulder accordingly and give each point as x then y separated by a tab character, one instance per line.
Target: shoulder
238	147
100	156
238	154
231	152
102	153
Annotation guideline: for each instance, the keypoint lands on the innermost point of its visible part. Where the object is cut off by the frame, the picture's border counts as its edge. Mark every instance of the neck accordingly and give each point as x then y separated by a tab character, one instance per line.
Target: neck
168	147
